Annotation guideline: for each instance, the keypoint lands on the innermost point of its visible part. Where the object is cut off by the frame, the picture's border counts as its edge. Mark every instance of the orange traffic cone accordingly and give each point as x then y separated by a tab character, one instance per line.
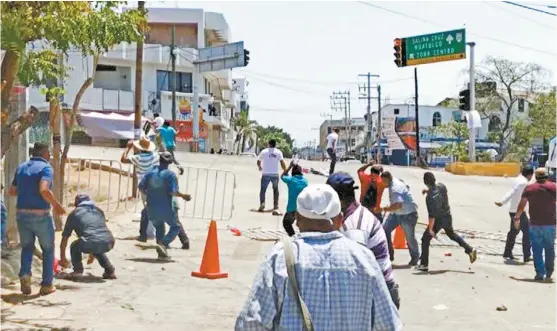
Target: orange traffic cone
210	265
399	242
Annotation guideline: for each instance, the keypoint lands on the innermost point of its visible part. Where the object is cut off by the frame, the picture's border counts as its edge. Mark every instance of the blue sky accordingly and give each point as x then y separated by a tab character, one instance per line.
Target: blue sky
302	51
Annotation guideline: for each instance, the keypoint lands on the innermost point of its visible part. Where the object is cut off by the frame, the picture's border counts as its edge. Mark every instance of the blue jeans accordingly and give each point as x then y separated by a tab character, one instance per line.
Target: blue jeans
33	226
408	223
542	238
265	180
174	229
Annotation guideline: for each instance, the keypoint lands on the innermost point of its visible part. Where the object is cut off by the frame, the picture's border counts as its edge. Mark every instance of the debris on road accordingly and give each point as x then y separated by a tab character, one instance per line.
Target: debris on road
502	308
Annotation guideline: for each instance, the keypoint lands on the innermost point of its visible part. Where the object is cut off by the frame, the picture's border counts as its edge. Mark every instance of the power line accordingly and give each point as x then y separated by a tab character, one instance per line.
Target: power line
530	8
297	80
518	15
446	27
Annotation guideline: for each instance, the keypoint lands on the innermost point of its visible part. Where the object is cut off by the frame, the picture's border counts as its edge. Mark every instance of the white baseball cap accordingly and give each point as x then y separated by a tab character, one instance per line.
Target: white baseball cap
319	201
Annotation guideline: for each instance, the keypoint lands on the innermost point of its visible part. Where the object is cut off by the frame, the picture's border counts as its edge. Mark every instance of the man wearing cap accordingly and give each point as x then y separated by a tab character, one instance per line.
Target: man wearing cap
32	185
339	280
403	211
359	218
540	196
94	237
160	186
513	198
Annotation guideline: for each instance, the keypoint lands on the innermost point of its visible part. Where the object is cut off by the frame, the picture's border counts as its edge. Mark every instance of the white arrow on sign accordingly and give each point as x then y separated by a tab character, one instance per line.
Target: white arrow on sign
450	39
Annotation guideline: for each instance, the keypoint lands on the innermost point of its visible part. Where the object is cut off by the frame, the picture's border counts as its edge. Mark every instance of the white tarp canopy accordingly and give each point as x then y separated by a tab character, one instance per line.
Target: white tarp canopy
109	126
552	156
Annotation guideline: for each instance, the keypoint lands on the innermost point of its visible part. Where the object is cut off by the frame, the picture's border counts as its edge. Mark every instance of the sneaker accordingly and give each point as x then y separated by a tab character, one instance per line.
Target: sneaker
47	289
109	275
141	239
162	251
422	267
549	275
509	257
261	208
25	283
186	244
473	256
538	277
527	259
413	262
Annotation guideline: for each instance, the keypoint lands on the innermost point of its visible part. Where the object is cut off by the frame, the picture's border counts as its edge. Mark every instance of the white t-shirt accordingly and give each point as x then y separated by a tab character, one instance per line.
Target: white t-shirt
159	121
332	138
270	157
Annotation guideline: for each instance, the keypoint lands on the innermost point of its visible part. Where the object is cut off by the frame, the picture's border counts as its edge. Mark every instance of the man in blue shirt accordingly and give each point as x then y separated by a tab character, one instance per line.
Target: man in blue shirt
296	184
403	211
32	185
160	186
168	136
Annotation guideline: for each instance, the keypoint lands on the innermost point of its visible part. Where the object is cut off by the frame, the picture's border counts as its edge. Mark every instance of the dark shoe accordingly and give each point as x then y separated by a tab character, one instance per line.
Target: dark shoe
163	253
47	289
109	275
509	257
25	283
538	277
141	239
473	256
261	208
422	267
186	244
527	259
413	262
548	275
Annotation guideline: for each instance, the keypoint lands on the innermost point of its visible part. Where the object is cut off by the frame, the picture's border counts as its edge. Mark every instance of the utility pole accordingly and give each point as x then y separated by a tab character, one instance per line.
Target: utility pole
137	93
341	102
471	124
418	160
173	52
379	129
369	124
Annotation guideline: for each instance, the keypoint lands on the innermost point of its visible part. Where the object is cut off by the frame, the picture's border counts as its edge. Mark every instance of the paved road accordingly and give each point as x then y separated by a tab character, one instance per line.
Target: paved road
150	295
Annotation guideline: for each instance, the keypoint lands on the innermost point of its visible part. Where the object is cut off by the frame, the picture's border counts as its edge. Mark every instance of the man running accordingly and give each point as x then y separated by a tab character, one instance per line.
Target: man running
339	280
32	186
540	196
268	163
295	183
332	140
94	237
160	186
403	211
359	218
439	213
513	198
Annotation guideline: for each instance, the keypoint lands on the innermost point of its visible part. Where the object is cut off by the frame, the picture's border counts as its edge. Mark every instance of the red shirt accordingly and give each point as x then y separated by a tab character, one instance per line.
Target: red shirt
365	181
541	200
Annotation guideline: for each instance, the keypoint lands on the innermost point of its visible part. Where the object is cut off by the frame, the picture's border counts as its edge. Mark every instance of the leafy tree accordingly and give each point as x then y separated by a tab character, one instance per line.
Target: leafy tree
542	116
245	129
264	134
453	129
514	81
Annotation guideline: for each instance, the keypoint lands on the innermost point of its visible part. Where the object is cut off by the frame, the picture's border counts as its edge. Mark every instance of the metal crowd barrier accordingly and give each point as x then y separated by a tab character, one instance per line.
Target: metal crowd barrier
212	192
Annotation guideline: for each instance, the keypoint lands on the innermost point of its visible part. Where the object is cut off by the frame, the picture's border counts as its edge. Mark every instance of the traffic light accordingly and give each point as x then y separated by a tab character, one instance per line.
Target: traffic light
400	52
464	100
246	57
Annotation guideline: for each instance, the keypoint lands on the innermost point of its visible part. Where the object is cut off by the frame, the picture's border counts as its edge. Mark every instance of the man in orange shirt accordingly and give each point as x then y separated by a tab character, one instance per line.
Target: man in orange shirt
372	188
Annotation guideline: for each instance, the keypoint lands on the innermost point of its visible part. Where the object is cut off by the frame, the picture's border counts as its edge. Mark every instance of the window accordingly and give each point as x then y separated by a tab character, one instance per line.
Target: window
521	103
102	67
436	119
183	81
397	111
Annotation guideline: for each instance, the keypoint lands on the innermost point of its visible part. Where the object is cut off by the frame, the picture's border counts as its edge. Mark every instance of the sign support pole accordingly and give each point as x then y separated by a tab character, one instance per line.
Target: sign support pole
472	137
418	159
195	110
379	139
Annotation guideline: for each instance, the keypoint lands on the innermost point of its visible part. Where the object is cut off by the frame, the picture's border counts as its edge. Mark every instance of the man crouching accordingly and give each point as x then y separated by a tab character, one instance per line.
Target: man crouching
94	237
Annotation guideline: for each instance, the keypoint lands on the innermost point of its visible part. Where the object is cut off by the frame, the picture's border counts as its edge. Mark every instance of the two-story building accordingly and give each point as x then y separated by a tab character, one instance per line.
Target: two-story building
356	128
113	87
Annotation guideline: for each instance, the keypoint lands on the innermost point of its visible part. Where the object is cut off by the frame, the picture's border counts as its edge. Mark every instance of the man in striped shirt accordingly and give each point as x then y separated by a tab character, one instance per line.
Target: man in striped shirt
361	225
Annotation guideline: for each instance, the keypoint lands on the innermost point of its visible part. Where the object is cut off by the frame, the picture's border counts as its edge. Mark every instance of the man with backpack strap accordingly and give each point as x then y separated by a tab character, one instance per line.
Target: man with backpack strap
372	188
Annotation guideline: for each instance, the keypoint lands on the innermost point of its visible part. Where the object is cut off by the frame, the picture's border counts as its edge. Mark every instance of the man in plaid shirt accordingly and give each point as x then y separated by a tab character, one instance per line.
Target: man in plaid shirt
339	280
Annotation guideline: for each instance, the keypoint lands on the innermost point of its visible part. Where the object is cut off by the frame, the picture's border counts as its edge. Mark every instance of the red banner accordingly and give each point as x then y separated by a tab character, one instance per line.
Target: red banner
184	130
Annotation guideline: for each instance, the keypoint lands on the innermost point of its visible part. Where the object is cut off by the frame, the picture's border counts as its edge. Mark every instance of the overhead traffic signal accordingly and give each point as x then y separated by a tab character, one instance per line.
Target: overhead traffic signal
464	100
400	52
246	57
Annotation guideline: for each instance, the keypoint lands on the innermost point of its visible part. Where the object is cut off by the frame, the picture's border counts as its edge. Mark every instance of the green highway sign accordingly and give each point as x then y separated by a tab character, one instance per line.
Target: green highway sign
435	47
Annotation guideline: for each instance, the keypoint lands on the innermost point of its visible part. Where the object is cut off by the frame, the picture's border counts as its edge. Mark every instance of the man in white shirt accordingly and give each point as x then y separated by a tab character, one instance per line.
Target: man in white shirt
332	140
268	163
513	198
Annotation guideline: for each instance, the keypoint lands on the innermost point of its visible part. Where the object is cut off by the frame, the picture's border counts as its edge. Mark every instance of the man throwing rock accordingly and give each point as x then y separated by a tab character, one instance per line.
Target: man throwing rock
332	140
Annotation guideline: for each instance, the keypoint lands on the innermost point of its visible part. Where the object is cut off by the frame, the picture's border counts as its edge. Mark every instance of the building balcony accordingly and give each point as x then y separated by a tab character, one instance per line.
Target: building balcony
217	115
222	79
152	53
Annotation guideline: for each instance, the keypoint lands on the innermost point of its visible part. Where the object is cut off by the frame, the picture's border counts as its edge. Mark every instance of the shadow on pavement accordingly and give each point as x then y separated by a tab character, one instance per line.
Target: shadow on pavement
89	278
440	272
149	260
402	266
18	298
532	280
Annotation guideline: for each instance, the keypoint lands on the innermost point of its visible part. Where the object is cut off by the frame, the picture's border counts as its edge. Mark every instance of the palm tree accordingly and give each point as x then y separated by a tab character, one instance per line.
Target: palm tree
245	128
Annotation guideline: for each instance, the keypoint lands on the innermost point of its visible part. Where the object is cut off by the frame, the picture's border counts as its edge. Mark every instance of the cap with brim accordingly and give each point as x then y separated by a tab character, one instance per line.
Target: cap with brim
318	202
166	156
341	182
144	144
541	173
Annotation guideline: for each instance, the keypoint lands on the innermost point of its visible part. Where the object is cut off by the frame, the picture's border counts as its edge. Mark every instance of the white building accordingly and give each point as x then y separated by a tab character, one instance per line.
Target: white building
113	89
357	134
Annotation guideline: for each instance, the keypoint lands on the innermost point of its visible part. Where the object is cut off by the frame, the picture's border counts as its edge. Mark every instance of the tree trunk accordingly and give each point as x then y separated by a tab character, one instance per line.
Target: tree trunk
10	65
54	119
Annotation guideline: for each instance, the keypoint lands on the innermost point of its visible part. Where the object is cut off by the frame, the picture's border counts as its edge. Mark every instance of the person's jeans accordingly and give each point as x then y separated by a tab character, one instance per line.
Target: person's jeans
543	239
333	158
393	291
265	180
159	235
98	250
408	223
511	236
288	221
144	231
31	226
173	231
445	223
